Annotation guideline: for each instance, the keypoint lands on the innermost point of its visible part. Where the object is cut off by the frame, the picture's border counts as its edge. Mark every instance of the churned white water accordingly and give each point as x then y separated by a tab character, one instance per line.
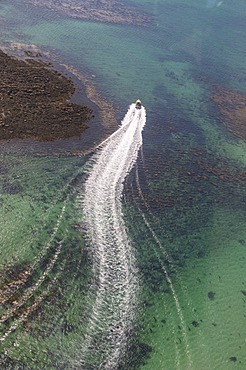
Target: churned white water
113	296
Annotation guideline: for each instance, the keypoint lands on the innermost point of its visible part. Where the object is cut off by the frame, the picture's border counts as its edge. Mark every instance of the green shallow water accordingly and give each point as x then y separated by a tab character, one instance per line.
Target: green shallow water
44	264
199	323
185	198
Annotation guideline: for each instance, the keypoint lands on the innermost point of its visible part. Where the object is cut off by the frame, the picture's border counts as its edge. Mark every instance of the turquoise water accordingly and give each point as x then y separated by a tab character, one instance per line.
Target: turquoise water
183	203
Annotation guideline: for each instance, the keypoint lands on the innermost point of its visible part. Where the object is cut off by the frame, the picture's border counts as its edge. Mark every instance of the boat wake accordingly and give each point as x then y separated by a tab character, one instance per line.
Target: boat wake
113	296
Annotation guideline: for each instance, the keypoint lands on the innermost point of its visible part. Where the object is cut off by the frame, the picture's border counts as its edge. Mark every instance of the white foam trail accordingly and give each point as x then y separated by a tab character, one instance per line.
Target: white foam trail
115	284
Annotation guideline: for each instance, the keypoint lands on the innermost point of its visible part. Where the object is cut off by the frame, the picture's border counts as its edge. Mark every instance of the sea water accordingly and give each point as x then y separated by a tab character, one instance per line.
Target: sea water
182	205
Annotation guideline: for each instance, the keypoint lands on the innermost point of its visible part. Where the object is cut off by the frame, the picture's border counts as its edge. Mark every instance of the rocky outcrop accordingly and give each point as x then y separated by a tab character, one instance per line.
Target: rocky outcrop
35	102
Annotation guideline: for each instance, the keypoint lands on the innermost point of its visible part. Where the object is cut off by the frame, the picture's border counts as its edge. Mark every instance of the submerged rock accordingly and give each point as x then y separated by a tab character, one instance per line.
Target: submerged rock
211	295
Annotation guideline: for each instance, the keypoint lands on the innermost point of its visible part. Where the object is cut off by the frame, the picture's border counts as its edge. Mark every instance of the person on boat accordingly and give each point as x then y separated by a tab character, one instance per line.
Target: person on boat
138	104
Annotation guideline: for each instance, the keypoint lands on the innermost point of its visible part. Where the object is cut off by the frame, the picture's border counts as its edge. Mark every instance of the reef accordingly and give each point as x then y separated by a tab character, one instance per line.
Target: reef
203	171
104	11
35	101
232	107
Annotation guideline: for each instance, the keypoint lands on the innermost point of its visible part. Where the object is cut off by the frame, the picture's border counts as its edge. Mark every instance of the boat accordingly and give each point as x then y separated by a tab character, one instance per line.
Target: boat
138	104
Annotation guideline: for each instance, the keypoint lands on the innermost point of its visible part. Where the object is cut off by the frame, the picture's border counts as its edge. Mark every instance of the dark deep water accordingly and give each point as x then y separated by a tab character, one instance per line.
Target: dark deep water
183	201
